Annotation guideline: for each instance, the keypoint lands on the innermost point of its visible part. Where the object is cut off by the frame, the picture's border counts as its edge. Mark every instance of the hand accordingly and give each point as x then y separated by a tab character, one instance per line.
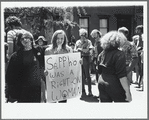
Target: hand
81	62
59	48
85	50
79	49
45	72
12	100
7	56
128	97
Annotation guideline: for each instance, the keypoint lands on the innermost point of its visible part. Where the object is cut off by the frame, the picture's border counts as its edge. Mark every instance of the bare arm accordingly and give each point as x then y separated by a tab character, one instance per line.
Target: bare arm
77	48
126	87
10	37
10	49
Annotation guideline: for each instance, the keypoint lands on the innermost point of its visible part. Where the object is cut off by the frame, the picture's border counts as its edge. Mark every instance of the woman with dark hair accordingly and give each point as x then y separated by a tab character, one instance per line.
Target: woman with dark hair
41	41
24	73
113	84
59	45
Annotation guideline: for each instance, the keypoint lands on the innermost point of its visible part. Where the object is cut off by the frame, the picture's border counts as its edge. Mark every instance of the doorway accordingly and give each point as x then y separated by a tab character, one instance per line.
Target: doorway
124	21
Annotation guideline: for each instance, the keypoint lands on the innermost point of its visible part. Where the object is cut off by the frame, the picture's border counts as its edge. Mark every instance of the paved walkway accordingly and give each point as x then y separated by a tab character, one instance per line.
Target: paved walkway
135	91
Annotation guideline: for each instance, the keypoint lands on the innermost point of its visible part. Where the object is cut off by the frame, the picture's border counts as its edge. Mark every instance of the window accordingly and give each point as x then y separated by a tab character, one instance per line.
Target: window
83	22
103	25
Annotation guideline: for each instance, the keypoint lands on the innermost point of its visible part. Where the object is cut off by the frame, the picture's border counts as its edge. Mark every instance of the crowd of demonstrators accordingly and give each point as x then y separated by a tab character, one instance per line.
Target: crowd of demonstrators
113	56
59	46
130	52
113	84
84	46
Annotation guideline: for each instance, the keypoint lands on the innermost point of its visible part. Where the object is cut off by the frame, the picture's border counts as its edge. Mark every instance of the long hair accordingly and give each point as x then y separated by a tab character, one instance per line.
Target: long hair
26	34
54	39
113	40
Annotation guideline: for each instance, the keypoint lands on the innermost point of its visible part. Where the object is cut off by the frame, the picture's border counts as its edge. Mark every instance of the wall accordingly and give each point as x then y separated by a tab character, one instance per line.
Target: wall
94	12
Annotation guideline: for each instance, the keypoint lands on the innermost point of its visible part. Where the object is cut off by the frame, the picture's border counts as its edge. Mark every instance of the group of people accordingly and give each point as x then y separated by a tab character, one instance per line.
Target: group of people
113	56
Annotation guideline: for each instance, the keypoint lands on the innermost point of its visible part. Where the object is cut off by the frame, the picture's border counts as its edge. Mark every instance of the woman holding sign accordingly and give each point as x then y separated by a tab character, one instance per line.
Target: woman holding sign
59	45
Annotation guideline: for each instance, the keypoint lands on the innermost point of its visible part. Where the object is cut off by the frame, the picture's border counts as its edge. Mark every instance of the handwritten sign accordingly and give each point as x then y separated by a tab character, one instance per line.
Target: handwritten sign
64	79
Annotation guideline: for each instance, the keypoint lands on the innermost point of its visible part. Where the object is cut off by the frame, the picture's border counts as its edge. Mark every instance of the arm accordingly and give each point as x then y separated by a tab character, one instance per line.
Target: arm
77	48
132	64
120	68
10	38
10	49
134	56
125	85
89	46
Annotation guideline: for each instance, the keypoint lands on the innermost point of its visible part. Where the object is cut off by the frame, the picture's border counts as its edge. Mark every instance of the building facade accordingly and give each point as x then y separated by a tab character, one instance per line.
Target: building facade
108	18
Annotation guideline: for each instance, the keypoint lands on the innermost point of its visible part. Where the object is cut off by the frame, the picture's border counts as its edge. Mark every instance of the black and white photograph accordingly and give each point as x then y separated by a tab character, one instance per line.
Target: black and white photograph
74	60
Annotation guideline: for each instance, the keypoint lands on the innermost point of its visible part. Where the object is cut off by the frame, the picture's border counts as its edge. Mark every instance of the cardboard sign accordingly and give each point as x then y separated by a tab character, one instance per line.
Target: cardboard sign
64	79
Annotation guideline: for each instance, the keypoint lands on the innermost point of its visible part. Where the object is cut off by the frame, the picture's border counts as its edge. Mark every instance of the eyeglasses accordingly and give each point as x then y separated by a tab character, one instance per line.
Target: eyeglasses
25	38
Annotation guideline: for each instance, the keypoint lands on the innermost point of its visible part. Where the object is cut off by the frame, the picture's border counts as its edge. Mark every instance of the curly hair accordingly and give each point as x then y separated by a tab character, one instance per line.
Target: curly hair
83	32
113	40
54	39
26	34
13	21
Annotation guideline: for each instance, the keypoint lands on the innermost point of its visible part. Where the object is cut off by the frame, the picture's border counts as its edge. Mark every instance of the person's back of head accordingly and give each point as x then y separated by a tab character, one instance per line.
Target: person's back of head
124	30
13	21
113	40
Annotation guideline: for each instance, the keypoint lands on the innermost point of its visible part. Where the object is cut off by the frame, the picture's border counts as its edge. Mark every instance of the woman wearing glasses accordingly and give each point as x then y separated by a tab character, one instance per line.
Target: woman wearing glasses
24	73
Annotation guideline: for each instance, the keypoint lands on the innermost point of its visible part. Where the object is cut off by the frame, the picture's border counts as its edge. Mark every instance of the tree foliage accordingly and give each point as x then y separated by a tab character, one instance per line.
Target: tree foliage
41	18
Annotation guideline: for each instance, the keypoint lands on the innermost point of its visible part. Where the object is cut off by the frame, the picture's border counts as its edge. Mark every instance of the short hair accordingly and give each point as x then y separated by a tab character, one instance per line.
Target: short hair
124	30
13	21
54	39
96	31
83	32
26	34
140	27
135	37
41	38
113	39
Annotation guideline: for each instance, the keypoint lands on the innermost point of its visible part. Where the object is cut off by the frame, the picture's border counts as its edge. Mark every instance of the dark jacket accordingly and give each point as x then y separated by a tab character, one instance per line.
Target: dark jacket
15	75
